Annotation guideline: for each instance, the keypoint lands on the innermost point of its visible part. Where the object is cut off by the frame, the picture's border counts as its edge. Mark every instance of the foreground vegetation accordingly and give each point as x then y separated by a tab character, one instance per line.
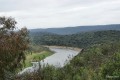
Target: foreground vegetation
99	62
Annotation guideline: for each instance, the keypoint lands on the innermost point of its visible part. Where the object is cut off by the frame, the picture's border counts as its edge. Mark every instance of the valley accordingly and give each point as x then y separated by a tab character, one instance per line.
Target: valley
59	39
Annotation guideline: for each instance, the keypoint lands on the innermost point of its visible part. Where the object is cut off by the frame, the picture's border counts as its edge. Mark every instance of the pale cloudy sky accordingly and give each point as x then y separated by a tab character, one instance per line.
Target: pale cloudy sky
61	13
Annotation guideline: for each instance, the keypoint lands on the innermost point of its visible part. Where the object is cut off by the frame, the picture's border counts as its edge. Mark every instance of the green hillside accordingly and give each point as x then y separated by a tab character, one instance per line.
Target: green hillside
81	40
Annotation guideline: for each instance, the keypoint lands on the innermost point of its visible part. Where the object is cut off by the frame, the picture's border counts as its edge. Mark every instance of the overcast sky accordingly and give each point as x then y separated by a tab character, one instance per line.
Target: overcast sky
61	13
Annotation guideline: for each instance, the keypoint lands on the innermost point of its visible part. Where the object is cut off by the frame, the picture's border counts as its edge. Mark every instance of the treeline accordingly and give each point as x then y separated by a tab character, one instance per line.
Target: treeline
82	40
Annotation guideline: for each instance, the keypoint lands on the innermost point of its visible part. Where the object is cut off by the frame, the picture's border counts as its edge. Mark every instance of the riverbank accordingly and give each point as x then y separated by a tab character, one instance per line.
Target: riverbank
36	57
58	59
64	47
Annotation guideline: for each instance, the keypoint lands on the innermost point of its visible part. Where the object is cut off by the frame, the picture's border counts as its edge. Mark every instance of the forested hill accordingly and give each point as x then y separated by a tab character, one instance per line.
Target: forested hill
78	29
81	40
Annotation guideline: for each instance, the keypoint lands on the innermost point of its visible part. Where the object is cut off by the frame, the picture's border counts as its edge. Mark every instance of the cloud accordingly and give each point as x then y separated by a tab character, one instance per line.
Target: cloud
61	13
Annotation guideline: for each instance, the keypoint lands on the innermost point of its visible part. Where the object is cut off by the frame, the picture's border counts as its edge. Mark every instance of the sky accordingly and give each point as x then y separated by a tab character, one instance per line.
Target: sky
61	13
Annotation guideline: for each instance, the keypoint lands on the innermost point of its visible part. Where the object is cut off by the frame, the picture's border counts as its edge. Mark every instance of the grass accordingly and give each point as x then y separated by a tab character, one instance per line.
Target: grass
36	57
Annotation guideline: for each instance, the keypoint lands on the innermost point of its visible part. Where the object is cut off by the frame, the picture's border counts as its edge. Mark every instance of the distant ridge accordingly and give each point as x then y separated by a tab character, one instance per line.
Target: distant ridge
77	29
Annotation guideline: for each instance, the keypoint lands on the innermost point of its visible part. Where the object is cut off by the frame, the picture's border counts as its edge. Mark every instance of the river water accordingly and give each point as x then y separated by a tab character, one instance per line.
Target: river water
59	59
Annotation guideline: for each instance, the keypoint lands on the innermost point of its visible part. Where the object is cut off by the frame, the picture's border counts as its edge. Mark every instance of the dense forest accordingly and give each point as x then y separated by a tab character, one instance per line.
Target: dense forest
81	40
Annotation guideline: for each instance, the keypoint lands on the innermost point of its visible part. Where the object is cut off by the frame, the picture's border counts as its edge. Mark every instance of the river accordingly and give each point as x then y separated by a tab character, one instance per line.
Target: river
59	59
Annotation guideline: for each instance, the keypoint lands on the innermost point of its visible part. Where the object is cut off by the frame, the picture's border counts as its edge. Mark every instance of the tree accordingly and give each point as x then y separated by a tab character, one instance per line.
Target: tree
112	68
13	44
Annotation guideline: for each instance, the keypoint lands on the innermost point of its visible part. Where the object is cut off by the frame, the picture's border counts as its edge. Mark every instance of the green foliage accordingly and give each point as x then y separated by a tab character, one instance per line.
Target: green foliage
82	40
12	47
112	67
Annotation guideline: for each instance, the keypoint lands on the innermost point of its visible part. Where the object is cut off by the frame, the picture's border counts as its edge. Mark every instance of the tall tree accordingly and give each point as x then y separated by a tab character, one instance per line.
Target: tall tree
13	44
